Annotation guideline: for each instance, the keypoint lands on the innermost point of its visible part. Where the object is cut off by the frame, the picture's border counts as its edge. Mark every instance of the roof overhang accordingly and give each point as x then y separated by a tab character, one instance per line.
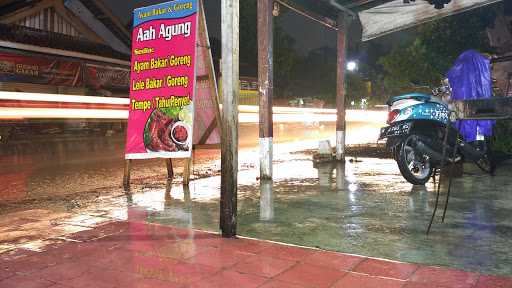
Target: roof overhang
61	52
108	34
397	15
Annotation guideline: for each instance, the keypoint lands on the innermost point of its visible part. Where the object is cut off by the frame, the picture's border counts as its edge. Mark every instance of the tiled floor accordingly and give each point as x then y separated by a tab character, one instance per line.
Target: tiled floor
136	254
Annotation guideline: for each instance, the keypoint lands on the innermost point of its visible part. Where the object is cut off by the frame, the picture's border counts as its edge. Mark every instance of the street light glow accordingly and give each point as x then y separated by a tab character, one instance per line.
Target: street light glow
351	66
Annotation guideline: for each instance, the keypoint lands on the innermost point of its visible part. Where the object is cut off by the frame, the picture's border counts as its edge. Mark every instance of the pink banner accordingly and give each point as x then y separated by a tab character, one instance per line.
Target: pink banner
160	122
206	130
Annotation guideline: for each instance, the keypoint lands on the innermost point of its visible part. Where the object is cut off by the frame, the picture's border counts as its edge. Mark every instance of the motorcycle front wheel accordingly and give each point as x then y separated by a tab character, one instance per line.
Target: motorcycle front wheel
414	166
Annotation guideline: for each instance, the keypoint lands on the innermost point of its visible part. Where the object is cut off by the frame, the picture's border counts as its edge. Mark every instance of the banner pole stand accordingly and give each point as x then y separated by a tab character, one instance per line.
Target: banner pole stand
126	176
170	170
186	171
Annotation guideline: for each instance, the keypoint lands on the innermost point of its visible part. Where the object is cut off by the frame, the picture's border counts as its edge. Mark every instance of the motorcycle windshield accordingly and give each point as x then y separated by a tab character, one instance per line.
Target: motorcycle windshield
470	79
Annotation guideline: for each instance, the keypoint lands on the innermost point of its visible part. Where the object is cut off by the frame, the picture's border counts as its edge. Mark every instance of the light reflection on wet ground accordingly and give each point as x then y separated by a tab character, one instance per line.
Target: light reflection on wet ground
59	165
370	211
362	208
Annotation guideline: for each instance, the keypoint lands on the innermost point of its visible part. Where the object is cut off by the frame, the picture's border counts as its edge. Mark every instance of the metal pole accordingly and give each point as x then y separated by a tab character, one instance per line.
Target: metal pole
455	148
344	22
265	84
230	92
443	161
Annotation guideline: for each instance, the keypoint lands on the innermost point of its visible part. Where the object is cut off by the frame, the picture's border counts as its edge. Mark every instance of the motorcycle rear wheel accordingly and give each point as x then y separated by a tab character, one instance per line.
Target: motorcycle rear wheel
414	167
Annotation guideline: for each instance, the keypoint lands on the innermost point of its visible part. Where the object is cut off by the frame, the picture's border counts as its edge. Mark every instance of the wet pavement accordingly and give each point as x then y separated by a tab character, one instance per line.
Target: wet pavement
363	207
53	166
100	251
370	211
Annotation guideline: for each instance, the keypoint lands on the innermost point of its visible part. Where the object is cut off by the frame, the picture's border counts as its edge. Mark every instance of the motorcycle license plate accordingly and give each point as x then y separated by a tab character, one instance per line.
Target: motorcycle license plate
395	130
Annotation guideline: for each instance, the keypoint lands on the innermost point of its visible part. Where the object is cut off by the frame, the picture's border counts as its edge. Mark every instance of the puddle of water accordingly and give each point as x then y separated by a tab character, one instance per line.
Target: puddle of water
363	208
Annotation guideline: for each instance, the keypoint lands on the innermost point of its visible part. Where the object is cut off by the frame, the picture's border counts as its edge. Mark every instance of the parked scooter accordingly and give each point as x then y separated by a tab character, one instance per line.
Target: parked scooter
416	135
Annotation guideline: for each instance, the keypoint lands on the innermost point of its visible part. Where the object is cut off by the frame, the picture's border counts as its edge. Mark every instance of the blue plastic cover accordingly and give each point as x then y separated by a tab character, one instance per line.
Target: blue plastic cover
470	79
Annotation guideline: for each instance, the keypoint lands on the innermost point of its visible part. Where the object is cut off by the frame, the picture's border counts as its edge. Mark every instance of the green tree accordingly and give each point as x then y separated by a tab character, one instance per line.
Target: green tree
424	61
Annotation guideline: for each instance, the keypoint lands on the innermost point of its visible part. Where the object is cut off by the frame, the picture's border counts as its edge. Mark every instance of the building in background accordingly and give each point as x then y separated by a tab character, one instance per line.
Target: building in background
63	47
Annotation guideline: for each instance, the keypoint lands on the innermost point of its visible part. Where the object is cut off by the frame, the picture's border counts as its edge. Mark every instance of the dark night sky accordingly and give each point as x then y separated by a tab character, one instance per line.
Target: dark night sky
307	34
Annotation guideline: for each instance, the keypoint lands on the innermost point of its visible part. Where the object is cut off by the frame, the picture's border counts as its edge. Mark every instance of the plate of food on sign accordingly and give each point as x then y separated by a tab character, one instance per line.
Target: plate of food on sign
168	130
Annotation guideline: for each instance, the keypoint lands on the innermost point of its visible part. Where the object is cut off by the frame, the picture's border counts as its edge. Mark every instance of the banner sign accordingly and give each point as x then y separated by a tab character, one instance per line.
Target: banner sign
59	72
160	121
206	130
106	77
39	70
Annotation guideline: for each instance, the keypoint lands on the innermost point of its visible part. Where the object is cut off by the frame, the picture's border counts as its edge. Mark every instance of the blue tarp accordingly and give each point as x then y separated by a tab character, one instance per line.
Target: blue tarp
470	79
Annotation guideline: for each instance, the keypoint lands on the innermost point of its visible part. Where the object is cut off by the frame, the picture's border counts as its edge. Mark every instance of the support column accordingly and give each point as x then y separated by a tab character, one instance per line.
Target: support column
340	176
230	91
343	23
265	84
266	201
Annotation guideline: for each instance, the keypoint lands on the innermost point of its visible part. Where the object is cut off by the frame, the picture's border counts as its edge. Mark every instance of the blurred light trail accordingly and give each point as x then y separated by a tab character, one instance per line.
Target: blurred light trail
56	113
17	105
62	98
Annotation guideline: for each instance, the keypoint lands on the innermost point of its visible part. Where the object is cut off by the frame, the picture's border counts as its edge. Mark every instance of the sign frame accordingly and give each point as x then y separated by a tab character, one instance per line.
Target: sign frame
202	41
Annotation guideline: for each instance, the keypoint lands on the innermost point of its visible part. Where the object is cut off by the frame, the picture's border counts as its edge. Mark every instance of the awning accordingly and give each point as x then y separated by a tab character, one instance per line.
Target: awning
397	15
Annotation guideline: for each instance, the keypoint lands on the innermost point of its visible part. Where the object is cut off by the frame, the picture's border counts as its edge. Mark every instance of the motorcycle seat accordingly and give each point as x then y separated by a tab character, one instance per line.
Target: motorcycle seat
415	96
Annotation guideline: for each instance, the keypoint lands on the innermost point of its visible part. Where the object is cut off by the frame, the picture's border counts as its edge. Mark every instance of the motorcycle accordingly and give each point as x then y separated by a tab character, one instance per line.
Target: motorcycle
421	130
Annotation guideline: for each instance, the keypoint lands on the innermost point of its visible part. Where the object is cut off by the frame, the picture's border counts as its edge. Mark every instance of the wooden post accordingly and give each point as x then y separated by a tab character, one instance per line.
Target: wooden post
265	84
340	176
230	91
186	196
187	171
170	170
343	23
266	200
126	176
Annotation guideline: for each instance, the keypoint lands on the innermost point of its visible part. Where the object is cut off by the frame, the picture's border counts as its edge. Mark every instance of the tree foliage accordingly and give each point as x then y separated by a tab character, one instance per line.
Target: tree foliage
423	62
